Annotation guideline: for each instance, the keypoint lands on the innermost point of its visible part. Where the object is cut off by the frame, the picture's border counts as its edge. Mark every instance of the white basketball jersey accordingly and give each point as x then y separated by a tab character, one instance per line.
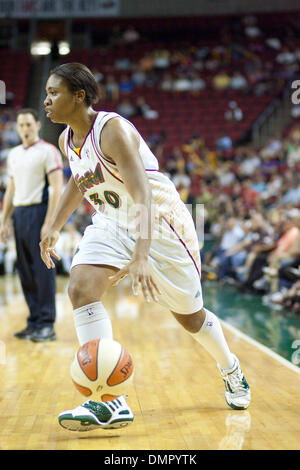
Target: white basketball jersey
101	184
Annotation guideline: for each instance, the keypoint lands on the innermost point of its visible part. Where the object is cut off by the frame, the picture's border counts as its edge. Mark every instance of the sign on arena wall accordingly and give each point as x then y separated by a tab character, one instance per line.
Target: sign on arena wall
58	8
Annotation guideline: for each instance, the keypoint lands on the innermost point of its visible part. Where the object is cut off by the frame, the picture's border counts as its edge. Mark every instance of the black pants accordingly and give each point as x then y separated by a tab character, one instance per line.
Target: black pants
286	273
38	282
256	270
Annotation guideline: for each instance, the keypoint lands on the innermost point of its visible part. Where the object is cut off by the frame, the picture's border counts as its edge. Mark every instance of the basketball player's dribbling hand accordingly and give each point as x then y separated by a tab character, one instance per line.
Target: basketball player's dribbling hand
140	275
47	248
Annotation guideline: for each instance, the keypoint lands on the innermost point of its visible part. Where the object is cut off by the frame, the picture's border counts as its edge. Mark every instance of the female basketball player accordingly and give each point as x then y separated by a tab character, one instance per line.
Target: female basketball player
140	228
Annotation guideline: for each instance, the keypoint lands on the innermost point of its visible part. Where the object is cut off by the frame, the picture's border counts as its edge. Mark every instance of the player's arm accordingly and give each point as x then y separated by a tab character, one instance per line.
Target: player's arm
55	179
71	198
7	209
120	143
69	201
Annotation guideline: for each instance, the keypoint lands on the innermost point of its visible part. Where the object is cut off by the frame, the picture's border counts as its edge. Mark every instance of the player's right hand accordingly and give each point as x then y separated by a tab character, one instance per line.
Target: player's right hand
141	277
47	248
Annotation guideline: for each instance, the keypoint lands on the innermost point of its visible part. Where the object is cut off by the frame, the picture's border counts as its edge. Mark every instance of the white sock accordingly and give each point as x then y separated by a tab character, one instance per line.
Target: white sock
211	337
92	322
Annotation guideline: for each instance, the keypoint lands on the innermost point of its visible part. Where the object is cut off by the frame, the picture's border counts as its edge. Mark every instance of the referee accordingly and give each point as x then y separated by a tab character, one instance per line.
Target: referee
31	198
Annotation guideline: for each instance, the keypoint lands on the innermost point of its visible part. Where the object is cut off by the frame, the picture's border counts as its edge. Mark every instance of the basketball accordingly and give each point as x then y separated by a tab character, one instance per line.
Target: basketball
102	369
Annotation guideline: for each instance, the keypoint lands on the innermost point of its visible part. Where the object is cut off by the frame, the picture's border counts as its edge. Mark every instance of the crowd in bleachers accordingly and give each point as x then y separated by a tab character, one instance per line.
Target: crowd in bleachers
238	60
215	77
251	196
252	209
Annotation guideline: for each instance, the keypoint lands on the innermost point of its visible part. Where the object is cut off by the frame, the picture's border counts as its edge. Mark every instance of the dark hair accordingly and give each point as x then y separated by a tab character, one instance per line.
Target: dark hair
31	111
79	77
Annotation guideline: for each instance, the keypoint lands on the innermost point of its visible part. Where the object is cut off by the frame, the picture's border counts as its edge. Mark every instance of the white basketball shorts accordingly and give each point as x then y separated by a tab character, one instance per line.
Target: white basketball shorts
174	259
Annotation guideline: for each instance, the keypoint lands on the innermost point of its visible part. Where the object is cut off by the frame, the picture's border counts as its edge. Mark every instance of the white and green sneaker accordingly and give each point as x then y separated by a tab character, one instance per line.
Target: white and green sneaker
237	390
94	415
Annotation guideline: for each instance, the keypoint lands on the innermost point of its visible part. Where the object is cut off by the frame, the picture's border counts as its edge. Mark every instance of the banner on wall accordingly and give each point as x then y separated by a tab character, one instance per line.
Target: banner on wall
58	8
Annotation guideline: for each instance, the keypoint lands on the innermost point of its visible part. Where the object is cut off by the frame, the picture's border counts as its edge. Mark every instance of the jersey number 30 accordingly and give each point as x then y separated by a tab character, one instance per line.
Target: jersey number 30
110	197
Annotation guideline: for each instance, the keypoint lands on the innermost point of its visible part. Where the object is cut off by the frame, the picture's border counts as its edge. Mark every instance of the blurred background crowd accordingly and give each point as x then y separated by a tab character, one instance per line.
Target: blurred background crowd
196	97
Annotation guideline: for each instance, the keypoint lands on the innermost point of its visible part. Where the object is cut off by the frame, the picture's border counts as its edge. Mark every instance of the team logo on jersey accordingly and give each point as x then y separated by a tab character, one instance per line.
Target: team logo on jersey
89	179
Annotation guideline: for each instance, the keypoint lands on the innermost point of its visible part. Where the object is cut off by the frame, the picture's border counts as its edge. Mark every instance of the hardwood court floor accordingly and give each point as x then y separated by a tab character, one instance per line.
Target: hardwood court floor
177	395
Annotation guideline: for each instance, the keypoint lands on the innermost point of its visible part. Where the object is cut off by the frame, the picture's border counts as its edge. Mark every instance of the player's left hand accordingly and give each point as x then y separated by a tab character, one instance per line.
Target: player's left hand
140	274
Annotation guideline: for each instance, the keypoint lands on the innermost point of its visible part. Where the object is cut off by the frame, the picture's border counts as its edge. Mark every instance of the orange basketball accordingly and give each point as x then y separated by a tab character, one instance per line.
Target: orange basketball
102	369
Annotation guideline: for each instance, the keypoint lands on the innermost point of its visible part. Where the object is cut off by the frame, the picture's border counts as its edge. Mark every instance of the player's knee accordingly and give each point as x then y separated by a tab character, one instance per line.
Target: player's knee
192	322
74	291
78	294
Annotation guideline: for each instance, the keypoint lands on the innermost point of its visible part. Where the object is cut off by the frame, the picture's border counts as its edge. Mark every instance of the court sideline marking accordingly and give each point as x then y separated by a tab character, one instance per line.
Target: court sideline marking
260	346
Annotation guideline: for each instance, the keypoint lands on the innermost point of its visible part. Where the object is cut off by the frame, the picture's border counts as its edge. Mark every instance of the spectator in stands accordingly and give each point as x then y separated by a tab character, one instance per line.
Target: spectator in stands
256	231
161	59
233	233
249	195
221	81
272	148
221	54
251	28
181	179
147	62
10	135
126	85
167	82
238	82
293	157
98	75
225	174
126	108
272	186
233	112
290	299
295	112
9	98
130	35
202	52
182	83
292	195
258	182
138	75
112	91
250	162
123	63
224	142
211	64
286	56
274	43
285	254
175	161
197	83
143	109
286	236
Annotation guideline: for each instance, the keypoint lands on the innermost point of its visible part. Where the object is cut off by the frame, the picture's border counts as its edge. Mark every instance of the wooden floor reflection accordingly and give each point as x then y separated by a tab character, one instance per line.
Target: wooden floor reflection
177	395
